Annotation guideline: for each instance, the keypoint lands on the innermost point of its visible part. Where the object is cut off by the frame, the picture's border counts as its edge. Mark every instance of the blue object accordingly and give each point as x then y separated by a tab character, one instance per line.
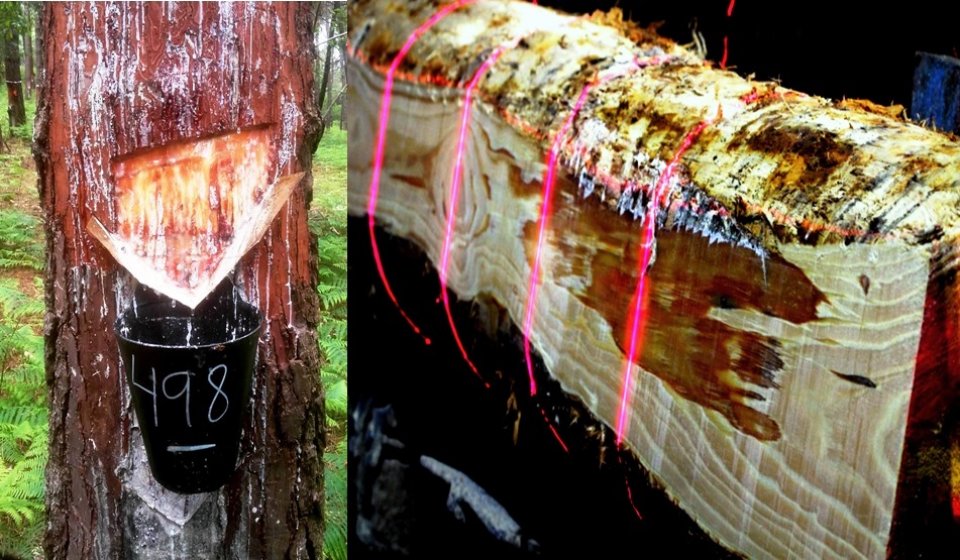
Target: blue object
936	91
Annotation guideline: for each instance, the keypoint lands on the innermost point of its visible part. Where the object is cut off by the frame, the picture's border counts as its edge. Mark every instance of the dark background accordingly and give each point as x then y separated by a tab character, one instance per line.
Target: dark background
830	48
575	505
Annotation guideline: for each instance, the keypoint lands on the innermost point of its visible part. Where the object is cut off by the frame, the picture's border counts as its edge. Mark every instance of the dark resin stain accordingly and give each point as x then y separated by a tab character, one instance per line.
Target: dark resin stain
806	157
413	181
683	345
856	379
518	186
379	47
673	127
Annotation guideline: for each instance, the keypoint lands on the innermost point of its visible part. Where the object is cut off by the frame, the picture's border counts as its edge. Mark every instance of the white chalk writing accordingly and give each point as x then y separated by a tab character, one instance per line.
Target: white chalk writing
183	448
170	390
153	383
219	391
184	392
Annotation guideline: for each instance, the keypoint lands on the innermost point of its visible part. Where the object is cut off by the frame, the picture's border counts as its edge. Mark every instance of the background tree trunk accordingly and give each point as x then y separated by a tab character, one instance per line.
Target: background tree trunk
129	76
11	61
27	51
342	47
325	73
37	51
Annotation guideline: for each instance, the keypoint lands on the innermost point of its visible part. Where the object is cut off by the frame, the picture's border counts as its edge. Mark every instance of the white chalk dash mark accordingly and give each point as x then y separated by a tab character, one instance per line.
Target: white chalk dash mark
186	448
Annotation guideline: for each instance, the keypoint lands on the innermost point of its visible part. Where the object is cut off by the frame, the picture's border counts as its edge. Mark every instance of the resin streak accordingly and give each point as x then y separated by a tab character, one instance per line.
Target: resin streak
124	79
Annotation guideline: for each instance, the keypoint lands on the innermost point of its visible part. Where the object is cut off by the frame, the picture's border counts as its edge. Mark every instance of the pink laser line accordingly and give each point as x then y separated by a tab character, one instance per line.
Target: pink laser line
553	430
455	191
630	500
726	41
640	297
549	179
626	481
381	146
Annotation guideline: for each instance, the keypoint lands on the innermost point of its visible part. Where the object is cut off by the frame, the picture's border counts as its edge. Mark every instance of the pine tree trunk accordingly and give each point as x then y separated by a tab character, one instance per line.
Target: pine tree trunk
16	112
127	76
343	74
325	76
27	54
37	52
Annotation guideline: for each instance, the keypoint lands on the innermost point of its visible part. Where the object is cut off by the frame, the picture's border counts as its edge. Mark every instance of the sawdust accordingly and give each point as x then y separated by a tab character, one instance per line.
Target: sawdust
631	29
897	112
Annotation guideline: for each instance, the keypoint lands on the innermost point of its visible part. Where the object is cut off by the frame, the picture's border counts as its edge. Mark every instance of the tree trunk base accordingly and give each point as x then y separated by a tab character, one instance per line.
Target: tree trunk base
101	499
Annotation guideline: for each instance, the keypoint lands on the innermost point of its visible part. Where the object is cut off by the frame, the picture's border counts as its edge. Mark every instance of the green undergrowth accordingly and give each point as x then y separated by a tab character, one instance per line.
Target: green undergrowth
23	410
21	245
23	418
328	221
23	405
17	177
23	131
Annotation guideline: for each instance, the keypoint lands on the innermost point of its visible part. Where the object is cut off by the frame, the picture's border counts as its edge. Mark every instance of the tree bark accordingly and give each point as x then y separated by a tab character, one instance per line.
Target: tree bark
16	113
123	77
794	380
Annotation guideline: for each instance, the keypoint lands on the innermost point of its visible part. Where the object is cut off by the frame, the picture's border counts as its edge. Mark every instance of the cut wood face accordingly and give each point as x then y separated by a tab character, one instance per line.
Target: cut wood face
786	300
187	212
740	408
703	359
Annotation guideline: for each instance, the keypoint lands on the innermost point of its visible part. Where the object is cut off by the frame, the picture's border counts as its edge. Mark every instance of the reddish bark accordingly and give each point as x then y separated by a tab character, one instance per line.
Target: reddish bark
125	76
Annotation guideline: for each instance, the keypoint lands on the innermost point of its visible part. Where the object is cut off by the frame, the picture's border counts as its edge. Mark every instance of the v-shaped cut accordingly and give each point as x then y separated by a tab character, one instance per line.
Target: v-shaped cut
187	212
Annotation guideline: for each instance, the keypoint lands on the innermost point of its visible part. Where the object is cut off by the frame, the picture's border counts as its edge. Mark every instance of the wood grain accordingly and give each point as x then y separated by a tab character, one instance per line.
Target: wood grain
187	212
774	385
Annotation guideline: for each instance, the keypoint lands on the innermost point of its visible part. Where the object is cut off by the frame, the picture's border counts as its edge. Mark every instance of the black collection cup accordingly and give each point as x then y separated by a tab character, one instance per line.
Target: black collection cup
190	373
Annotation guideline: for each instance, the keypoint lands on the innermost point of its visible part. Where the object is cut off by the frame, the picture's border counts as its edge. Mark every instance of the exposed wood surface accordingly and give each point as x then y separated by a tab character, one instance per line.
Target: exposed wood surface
800	243
187	212
123	78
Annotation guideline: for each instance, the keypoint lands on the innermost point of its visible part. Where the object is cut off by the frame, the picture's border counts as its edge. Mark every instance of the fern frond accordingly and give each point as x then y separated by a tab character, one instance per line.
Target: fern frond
333	293
16	414
335	508
22	541
15	304
328	222
336	402
20	241
15	504
335	352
